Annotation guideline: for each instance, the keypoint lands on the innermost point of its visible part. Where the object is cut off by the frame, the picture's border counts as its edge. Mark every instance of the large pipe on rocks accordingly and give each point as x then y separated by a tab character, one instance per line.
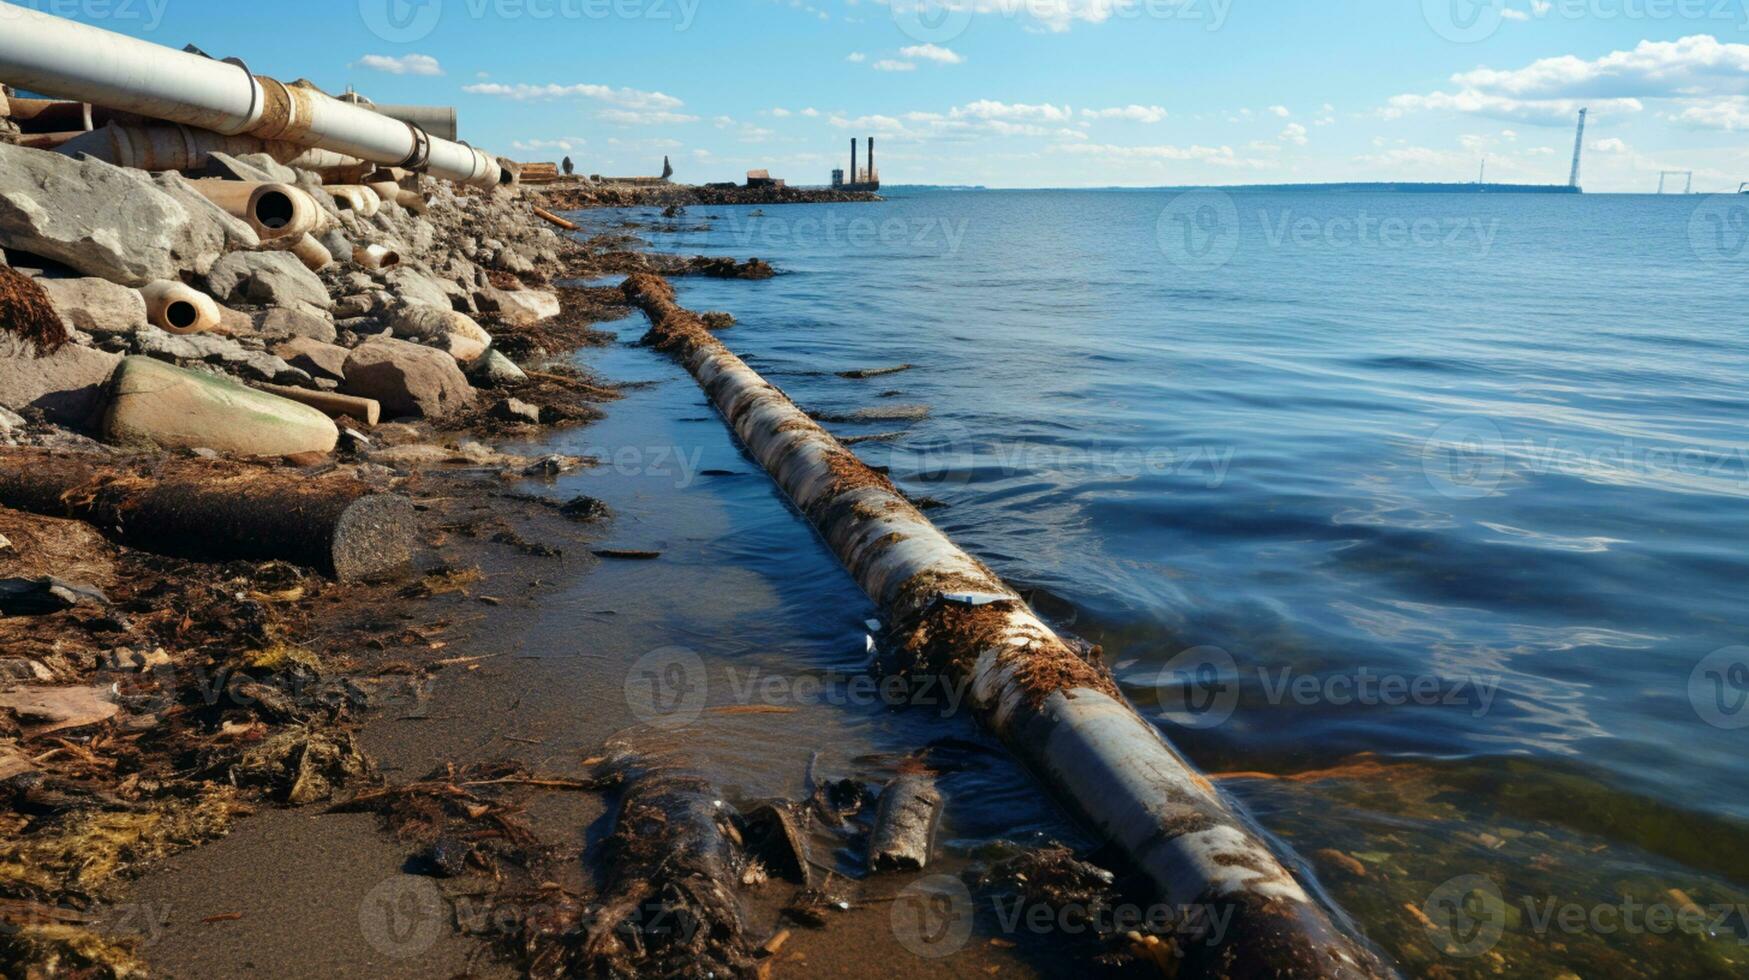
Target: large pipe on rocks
1061	715
273	210
166	146
68	60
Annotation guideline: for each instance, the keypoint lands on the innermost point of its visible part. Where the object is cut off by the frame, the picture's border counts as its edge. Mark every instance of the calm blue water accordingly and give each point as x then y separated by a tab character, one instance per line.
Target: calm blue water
1458	481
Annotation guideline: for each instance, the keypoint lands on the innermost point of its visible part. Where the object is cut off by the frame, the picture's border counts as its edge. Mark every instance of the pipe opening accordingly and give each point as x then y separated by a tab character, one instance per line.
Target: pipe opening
506	177
275	209
391	260
343	202
181	315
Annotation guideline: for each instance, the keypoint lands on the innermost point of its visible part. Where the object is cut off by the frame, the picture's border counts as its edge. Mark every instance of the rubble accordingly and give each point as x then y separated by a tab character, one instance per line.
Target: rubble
315	357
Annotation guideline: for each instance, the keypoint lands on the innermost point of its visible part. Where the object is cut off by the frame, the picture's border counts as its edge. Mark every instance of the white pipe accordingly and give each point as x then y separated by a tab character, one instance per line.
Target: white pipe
375	257
179	309
1061	715
166	146
355	197
274	210
64	59
313	254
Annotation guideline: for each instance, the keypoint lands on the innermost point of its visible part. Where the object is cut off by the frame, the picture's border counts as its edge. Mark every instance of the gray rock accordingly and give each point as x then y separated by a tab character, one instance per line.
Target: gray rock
516	410
406	379
494	370
283	323
318	359
10	420
66	386
235	232
255	166
356	305
267	279
96	306
410	286
223	352
337	244
101	220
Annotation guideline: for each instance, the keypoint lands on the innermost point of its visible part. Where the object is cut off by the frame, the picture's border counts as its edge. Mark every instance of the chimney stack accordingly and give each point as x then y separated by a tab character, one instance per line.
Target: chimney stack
871	166
853	177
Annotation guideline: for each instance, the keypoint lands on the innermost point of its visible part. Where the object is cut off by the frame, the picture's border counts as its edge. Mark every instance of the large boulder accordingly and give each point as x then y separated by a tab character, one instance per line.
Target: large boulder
96	306
158	405
318	359
407	379
454	332
413	287
223	352
518	306
66	386
235	232
98	219
267	279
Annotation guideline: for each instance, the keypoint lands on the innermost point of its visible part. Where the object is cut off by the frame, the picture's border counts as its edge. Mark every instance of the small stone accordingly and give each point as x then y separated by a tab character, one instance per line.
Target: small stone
494	370
318	359
282	323
585	509
267	279
516	410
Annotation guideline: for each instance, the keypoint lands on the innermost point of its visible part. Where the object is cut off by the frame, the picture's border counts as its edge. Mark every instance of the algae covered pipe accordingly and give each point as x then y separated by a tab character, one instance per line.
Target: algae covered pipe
1062	716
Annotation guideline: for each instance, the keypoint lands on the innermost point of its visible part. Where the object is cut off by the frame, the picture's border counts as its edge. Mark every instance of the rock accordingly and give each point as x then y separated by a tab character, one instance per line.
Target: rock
235	323
516	410
518	306
267	279
412	287
19	670
494	370
285	322
335	241
96	305
206	348
101	220
41	596
67	386
234	232
10	420
586	509
5	543
355	305
318	359
46	710
455	332
154	404
251	166
407	379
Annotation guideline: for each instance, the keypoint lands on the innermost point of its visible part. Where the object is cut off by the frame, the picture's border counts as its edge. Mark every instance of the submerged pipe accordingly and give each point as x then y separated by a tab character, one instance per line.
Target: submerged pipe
68	60
274	210
179	309
1062	716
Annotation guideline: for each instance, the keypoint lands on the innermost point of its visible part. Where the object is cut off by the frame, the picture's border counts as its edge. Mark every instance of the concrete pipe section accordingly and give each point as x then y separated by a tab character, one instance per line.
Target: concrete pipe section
68	60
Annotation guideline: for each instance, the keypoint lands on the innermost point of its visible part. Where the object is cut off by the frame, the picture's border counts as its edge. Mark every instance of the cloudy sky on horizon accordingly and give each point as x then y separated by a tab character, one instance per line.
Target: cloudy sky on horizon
1031	93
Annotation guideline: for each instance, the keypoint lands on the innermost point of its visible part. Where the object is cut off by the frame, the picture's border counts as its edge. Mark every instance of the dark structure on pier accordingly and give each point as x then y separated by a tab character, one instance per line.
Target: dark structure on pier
860	180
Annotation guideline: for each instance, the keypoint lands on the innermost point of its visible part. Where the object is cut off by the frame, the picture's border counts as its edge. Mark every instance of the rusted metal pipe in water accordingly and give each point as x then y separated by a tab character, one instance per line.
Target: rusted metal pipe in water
1062	716
179	309
69	60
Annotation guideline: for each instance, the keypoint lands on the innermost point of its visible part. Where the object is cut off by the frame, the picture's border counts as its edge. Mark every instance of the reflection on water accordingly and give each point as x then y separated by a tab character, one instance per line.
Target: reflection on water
1474	507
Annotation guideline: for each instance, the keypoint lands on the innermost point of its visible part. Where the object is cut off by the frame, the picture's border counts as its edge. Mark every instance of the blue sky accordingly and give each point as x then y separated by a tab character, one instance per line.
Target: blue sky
1027	93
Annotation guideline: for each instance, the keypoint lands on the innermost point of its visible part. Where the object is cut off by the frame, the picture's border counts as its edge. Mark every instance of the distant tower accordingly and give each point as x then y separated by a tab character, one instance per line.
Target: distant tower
1578	150
1484	178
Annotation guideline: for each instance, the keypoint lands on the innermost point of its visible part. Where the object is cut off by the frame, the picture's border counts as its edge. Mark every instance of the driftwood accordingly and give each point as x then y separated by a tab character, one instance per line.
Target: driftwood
904	824
217	511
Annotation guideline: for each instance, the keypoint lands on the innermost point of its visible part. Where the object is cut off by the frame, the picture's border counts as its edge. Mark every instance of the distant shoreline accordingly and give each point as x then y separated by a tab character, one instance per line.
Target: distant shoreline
1374	187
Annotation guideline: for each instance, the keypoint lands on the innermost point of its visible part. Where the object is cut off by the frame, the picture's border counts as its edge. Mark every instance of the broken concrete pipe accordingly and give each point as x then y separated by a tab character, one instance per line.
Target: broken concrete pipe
355	197
387	191
218	512
64	59
330	403
175	308
273	210
1061	715
376	257
313	254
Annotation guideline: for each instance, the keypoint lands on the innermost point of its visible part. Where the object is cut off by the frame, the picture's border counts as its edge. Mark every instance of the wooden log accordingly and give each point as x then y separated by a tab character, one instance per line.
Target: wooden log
552	218
220	511
905	824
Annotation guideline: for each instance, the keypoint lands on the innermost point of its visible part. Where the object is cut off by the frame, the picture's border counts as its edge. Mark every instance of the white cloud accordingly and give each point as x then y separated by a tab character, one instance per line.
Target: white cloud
1545	112
644	117
1295	134
888	64
1727	115
992	109
1055	16
1611	145
1222	156
409	64
811	112
624	98
1281	111
857	57
780	113
1132	113
566	144
931	52
1696	65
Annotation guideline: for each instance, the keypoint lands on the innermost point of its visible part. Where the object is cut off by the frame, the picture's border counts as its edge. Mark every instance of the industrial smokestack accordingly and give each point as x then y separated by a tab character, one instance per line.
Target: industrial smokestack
1578	150
871	166
854	179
